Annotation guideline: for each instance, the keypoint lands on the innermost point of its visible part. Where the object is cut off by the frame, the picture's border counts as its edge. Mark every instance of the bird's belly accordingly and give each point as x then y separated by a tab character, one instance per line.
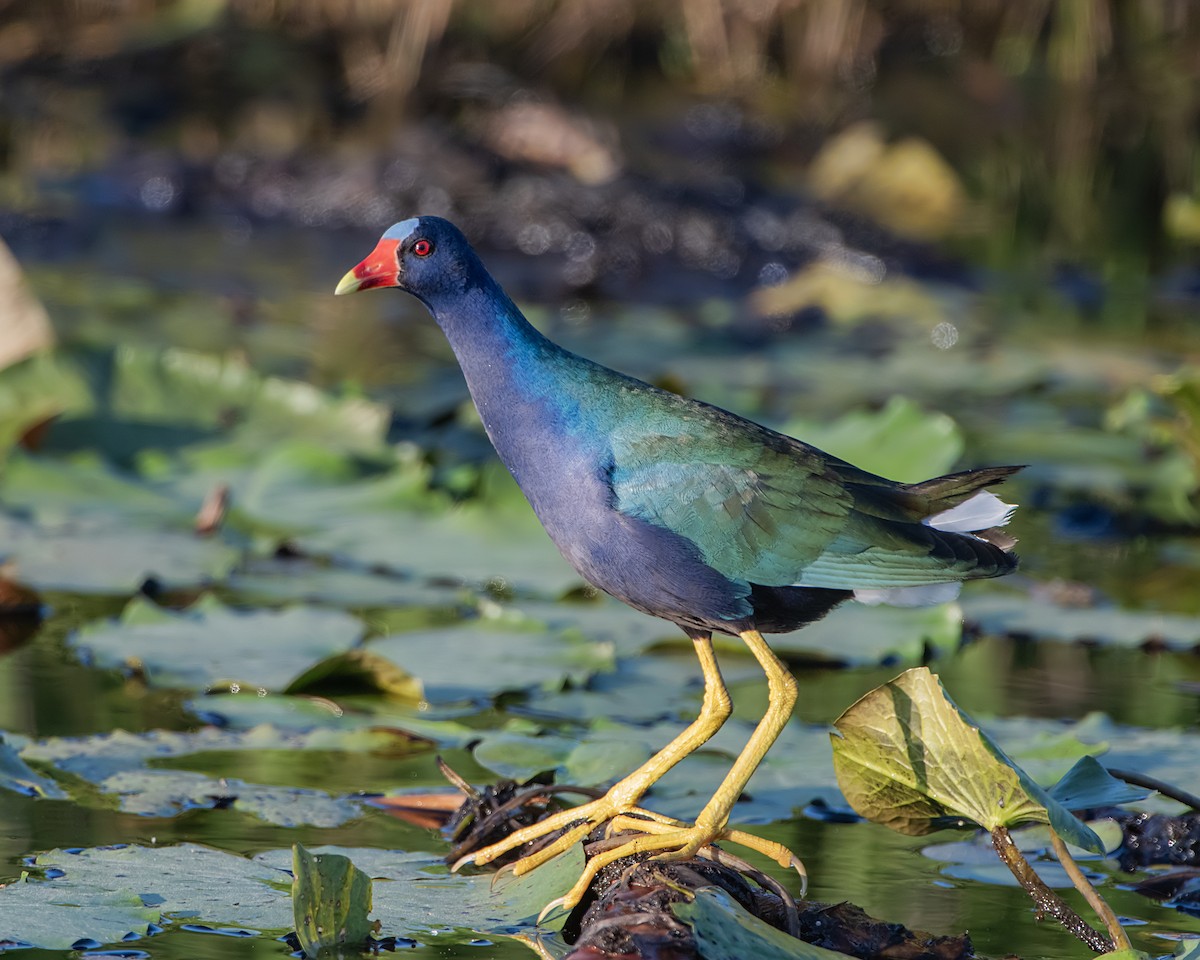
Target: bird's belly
648	567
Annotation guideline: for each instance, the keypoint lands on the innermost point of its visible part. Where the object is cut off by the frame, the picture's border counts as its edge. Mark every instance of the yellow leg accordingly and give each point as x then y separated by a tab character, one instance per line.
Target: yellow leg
677	841
624	795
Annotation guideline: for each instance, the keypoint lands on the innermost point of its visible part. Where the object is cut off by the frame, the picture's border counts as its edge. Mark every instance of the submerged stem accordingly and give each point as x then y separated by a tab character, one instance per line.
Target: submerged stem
1083	885
1048	902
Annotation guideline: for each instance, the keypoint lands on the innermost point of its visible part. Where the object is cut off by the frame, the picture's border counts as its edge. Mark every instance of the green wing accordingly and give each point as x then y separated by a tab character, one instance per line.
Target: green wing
767	509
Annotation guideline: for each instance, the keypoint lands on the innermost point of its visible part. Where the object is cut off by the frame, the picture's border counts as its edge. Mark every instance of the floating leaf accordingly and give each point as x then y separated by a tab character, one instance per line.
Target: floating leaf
907	757
359	669
1039	619
132	767
331	900
35	390
246	710
725	930
16	775
209	643
856	634
901	441
481	659
91	896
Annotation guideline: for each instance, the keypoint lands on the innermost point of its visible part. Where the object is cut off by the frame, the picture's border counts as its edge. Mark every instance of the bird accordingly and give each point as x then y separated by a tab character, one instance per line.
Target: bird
686	512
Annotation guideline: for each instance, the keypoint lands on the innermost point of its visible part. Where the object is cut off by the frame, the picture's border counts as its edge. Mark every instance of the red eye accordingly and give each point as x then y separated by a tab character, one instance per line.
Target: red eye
422	248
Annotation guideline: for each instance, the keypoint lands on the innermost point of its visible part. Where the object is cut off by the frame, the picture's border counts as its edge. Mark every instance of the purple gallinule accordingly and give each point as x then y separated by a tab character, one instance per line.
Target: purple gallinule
686	512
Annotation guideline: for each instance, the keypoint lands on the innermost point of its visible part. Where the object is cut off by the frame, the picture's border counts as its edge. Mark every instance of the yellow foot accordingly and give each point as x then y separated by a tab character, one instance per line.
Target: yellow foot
668	839
581	820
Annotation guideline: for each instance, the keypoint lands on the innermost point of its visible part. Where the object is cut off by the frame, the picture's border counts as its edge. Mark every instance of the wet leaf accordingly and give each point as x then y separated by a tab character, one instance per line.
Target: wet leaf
481	660
275	580
35	390
94	896
209	643
855	634
16	775
331	902
86	558
131	768
359	669
1088	784
84	526
725	930
56	915
246	710
907	757
1040	619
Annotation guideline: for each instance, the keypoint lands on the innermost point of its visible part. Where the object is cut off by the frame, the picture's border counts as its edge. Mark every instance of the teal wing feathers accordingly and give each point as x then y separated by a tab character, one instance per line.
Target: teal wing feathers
768	509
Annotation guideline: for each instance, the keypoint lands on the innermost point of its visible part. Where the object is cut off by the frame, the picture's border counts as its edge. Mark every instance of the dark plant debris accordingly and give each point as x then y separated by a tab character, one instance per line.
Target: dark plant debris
628	913
489	816
1156	838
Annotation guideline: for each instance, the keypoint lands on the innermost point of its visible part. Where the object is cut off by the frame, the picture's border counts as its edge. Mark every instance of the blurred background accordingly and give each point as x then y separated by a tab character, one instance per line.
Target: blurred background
922	234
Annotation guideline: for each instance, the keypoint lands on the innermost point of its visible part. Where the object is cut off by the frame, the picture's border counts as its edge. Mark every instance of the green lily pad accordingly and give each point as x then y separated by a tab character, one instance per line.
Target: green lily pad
855	634
129	767
481	660
44	385
146	399
331	902
56	916
247	710
362	669
182	386
209	643
907	757
1038	618
725	930
900	441
16	775
101	559
93	896
303	580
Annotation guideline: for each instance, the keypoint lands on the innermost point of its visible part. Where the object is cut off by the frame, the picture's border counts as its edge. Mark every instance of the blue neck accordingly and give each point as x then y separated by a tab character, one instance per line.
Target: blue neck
525	387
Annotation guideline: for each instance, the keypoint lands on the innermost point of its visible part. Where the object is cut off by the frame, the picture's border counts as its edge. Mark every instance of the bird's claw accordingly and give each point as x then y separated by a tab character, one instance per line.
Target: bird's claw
652	833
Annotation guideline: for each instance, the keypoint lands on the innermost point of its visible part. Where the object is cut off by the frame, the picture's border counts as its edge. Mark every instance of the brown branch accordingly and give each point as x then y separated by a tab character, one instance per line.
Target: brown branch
1048	902
1119	938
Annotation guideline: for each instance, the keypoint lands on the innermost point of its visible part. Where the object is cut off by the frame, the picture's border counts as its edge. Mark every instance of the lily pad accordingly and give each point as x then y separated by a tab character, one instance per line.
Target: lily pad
1038	618
481	660
36	389
103	558
16	775
123	765
900	441
209	643
856	634
331	902
725	930
907	757
247	710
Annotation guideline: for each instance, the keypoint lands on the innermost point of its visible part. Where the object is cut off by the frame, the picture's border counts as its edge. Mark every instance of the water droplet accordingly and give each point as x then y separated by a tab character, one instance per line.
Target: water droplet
944	335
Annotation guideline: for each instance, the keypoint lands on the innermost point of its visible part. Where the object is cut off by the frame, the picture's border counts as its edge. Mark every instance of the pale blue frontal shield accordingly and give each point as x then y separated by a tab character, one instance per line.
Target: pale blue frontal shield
401	231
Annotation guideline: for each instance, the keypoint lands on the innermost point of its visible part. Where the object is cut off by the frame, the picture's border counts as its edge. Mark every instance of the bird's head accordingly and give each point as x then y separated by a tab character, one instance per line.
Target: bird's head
425	256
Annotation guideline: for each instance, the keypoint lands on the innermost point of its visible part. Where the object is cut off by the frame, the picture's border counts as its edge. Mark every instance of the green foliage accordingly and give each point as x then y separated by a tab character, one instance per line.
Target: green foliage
331	903
210	644
907	757
16	775
724	930
900	441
